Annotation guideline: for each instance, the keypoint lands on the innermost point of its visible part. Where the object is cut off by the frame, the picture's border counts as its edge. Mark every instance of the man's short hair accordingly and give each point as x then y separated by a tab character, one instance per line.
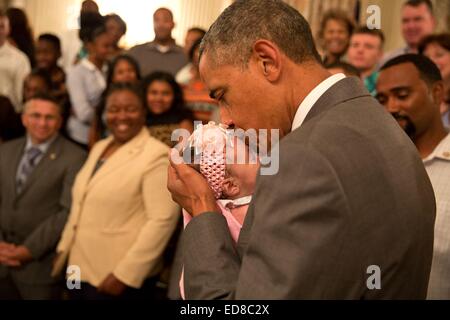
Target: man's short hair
374	32
164	9
43	96
428	71
232	35
417	3
347	67
53	39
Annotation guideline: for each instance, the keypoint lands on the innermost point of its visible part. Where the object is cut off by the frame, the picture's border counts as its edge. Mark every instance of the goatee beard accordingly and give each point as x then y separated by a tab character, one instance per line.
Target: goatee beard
409	128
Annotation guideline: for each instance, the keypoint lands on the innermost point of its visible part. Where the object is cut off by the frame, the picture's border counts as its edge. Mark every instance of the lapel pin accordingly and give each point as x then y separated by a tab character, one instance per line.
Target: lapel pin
53	156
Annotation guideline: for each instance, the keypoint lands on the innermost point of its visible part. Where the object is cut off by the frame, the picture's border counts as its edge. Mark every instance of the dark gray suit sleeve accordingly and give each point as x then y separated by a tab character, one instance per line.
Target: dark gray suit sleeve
211	262
299	227
45	236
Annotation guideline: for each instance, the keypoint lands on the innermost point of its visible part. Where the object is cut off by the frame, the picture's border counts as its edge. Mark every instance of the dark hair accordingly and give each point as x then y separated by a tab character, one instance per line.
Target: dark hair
97	32
163	9
124	86
428	71
417	3
177	111
116	60
44	75
194	47
89	4
347	67
198	30
89	22
442	39
119	20
374	32
232	35
2	13
45	96
21	32
338	15
51	38
109	83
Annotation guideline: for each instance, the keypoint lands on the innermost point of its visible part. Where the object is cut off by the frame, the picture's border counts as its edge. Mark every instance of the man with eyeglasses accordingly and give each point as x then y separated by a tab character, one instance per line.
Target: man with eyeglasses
36	177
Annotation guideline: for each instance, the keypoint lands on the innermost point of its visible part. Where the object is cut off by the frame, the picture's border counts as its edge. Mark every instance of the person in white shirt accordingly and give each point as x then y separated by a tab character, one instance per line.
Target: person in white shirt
411	88
14	67
86	83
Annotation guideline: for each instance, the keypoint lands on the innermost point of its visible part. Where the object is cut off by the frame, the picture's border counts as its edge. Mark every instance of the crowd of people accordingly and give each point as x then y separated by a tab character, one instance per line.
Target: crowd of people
84	154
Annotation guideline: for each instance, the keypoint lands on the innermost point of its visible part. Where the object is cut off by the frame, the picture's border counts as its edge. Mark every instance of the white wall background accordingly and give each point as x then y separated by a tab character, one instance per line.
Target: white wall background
60	17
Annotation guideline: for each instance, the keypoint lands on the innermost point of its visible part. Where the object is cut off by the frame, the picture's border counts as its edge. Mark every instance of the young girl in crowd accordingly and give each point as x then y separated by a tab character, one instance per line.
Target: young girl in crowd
86	83
38	81
123	69
217	156
48	52
165	106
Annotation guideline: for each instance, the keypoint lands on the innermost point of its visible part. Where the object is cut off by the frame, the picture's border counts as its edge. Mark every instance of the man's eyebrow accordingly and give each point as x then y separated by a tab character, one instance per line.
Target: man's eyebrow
396	89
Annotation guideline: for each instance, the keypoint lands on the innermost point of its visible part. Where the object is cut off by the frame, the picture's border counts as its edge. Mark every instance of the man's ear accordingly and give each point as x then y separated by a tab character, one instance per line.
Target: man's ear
230	188
268	57
438	93
24	119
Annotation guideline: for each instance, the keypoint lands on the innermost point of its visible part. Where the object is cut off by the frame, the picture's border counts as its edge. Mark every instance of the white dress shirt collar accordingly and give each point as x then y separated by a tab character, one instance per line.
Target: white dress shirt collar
312	98
92	67
42	146
442	151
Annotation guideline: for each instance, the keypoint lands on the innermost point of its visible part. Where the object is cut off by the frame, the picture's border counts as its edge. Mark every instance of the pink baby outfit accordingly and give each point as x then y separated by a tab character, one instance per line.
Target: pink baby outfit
233	225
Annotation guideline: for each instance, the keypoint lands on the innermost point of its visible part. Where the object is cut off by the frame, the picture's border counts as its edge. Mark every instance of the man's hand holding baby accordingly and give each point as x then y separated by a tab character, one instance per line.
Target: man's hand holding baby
189	188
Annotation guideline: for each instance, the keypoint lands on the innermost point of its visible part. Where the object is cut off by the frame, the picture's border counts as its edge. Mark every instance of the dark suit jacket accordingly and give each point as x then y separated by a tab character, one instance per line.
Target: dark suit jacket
37	216
351	192
10	123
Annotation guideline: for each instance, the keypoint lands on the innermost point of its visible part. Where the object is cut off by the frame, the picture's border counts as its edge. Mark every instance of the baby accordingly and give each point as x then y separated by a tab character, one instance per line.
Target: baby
232	179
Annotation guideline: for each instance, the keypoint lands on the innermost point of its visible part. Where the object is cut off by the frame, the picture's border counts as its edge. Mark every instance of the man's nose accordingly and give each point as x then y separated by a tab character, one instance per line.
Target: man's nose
122	114
392	106
225	116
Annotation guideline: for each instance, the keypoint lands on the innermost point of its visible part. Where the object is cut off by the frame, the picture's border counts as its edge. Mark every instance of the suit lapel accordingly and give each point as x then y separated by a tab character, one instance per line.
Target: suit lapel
44	166
120	158
14	164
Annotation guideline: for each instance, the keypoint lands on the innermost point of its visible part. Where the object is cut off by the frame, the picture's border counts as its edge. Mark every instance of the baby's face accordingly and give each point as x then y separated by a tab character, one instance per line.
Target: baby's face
244	170
245	175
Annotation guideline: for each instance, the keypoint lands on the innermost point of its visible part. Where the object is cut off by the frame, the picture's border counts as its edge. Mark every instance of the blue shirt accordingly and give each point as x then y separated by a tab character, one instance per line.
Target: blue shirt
43	147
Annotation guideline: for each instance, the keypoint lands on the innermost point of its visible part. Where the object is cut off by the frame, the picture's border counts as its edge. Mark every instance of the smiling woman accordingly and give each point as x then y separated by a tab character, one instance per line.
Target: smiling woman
125	113
122	215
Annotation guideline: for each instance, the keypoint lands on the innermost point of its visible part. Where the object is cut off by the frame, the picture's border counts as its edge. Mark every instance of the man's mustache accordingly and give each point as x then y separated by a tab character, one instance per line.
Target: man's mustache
409	128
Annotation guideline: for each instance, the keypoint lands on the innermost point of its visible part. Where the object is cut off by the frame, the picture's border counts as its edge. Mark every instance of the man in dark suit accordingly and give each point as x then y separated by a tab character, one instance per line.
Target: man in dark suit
36	177
350	213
